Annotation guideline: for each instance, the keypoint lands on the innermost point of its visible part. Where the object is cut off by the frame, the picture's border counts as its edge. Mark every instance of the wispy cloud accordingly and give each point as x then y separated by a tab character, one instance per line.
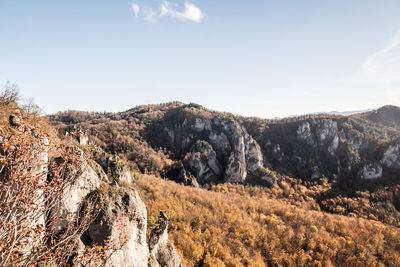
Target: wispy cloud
136	9
167	9
385	63
150	14
191	12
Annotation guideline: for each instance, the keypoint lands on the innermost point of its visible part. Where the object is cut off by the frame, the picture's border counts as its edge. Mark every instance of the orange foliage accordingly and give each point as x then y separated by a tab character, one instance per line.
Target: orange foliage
235	225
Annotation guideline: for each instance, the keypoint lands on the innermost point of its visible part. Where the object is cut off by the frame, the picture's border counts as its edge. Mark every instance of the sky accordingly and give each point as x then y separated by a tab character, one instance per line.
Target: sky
255	58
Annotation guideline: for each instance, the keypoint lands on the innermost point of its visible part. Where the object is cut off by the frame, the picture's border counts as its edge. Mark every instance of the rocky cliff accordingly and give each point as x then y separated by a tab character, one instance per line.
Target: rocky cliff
118	221
213	149
208	146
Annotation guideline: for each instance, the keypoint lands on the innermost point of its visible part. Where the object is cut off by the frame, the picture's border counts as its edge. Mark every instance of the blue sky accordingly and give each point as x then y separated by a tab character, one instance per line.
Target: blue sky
257	58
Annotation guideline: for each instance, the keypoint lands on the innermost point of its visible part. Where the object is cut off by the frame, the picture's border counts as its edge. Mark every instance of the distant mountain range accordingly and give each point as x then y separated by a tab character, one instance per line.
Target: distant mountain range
351	145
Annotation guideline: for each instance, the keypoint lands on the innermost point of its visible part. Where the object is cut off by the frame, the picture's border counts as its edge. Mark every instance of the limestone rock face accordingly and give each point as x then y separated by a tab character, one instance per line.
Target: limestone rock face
203	163
371	171
74	194
391	156
304	133
245	158
123	220
328	134
328	130
116	168
334	145
216	149
162	251
202	124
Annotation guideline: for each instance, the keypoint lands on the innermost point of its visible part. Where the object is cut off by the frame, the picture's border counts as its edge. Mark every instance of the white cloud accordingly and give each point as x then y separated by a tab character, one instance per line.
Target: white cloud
150	15
191	12
136	9
385	63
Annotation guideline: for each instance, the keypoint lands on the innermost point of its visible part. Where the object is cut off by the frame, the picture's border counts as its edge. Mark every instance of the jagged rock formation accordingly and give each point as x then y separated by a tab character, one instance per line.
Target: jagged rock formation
162	251
123	221
214	149
120	216
203	163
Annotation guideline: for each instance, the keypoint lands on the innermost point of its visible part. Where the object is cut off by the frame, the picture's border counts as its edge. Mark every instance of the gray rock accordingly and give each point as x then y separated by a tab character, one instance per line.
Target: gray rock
123	220
304	133
83	138
14	120
391	156
334	145
203	163
328	130
371	171
116	168
73	196
162	251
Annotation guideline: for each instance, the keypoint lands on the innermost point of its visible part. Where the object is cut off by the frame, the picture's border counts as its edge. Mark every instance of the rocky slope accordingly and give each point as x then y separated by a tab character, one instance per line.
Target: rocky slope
119	223
220	147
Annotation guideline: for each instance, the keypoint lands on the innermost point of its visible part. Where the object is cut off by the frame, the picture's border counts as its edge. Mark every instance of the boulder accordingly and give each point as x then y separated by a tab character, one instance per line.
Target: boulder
162	251
122	220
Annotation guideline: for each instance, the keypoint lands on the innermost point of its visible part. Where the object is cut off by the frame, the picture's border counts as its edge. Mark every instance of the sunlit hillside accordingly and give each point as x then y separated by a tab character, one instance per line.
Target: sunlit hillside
235	225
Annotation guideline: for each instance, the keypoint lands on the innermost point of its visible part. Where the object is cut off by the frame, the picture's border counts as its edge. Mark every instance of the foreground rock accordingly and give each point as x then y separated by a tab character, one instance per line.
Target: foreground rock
122	220
162	251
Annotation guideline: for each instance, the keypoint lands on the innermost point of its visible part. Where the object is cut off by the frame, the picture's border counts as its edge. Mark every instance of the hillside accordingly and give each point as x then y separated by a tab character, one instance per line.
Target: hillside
68	204
235	225
190	144
298	177
388	116
308	147
317	190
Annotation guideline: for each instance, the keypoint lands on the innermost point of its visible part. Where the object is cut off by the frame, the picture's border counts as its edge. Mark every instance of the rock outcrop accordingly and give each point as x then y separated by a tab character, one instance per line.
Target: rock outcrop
115	167
203	163
162	251
391	156
214	150
304	133
122	220
74	195
371	171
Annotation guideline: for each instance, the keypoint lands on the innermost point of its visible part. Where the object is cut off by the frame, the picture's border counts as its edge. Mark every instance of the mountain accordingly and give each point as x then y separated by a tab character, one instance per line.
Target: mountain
256	192
180	185
219	147
387	116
